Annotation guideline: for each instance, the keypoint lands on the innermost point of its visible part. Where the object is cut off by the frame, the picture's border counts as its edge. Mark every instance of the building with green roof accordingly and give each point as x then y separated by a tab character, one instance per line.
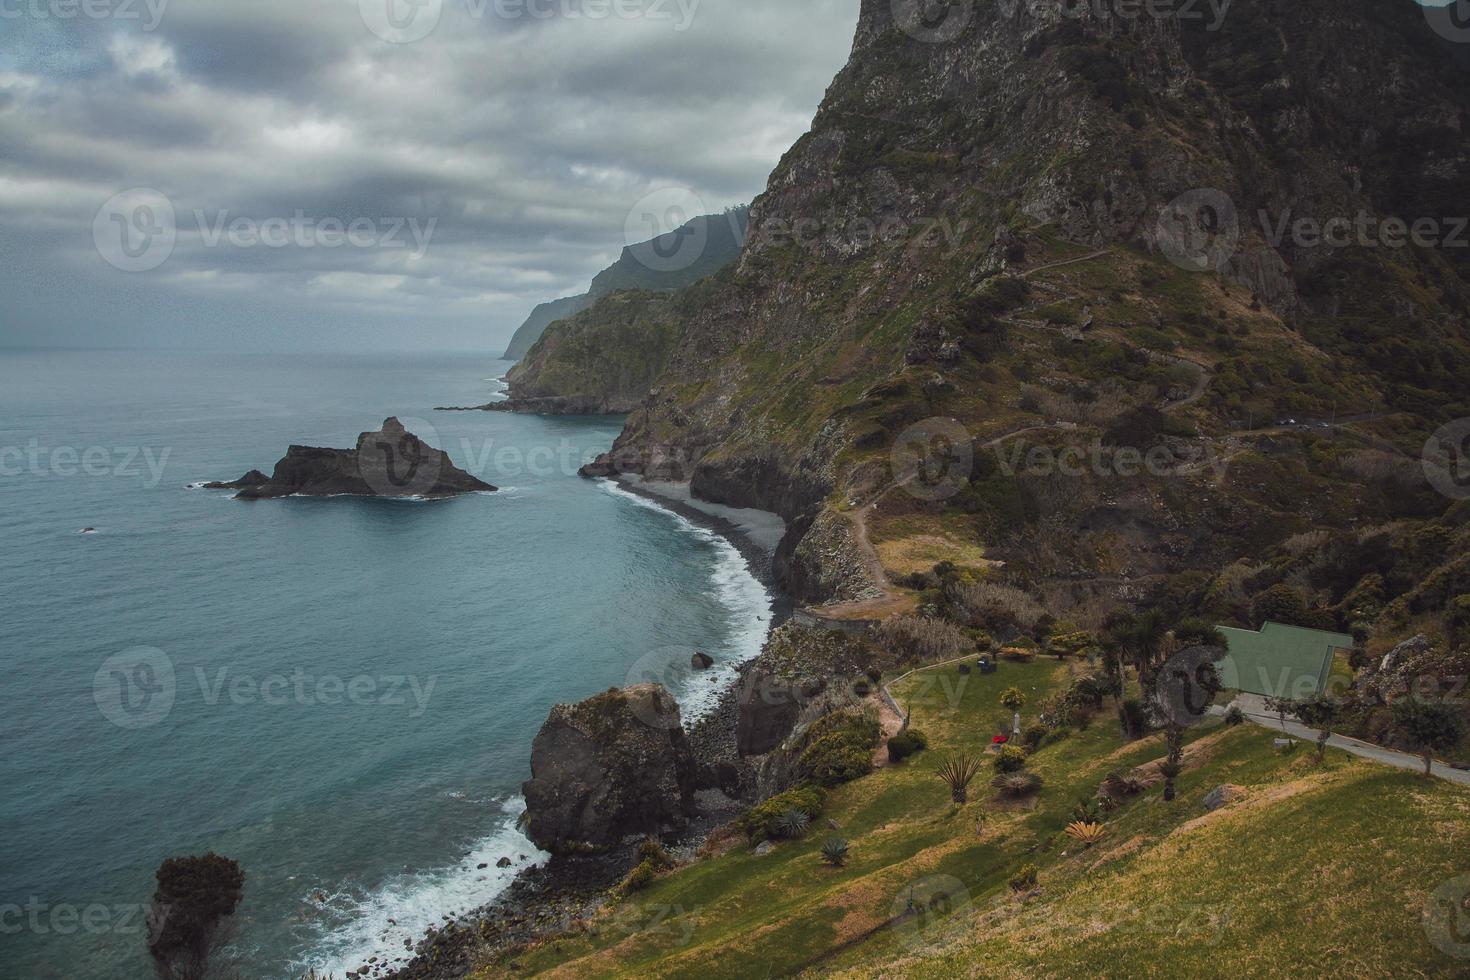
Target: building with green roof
1280	661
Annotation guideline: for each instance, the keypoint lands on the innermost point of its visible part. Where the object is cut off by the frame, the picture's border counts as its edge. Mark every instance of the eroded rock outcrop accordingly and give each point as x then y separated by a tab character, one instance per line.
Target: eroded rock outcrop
604	769
390	462
797	668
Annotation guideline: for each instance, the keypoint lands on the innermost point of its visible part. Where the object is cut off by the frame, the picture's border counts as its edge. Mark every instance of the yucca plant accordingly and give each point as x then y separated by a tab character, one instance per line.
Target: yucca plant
792	823
1017	784
834	852
958	771
1086	833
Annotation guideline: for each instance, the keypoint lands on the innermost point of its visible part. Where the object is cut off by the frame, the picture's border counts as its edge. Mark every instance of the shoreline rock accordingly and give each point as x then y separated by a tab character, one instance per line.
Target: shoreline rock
613	766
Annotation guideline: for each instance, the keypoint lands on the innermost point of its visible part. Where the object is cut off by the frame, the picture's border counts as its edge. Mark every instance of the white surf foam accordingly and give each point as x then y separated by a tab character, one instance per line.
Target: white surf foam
744	597
378	923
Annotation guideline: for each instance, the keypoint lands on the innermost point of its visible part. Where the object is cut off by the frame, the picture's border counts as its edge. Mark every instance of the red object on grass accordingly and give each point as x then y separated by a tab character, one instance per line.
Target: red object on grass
1000	740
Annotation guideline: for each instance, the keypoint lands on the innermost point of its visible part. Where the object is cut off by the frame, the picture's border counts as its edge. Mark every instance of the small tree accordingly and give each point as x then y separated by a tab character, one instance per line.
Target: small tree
1428	726
1282	707
194	896
1319	712
1014	700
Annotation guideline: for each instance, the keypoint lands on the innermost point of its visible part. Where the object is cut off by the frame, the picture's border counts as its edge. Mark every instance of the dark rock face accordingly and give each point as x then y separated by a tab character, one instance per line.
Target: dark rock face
797	667
391	462
612	766
701	661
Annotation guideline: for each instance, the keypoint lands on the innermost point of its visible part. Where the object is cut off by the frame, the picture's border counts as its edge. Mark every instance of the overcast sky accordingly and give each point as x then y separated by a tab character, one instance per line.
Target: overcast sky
322	174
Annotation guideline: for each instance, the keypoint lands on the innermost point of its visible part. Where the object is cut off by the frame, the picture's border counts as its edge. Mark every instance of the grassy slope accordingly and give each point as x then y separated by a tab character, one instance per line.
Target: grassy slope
1316	868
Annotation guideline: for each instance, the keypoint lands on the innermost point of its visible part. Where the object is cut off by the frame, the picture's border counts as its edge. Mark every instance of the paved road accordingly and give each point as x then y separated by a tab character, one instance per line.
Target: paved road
1401	760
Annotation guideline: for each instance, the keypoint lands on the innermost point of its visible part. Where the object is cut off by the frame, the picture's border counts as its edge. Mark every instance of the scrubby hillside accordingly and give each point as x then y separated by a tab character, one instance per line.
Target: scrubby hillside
1345	868
1045	258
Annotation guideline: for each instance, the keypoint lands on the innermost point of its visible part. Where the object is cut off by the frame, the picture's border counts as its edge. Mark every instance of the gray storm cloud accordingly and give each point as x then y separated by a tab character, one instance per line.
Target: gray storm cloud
333	171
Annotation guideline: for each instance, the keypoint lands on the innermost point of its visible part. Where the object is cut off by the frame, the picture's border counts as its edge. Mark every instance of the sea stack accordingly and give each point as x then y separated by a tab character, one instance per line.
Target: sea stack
390	462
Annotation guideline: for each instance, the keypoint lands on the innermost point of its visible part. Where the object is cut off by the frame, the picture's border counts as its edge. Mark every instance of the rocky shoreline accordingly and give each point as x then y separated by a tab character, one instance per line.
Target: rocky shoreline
566	893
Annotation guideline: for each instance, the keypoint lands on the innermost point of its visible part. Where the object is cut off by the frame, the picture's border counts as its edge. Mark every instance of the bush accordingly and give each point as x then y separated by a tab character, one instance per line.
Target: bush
906	743
834	852
998	608
1025	879
760	822
1135	716
1010	758
653	852
923	638
639	878
1234	716
1033	735
1056	735
1017	784
792	824
839	748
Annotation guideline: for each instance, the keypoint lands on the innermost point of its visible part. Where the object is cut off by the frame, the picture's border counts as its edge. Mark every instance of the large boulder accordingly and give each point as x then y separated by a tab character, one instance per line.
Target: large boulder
604	769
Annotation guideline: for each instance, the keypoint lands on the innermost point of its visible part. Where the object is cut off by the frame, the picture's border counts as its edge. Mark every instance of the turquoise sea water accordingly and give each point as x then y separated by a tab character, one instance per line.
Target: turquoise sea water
340	694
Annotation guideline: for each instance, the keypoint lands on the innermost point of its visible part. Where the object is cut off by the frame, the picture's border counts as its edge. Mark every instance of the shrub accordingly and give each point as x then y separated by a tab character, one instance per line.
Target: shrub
923	638
1234	716
760	822
1281	604
1056	735
906	743
639	878
652	851
1087	811
998	608
839	748
834	852
1025	879
1135	717
1033	735
1017	784
1010	758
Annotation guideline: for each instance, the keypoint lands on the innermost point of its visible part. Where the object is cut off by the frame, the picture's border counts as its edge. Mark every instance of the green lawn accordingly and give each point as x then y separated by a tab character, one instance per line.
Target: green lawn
1315	867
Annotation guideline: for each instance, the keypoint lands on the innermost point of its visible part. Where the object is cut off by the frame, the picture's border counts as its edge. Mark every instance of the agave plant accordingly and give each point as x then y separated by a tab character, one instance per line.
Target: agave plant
792	823
1117	785
1086	832
959	771
1017	784
834	852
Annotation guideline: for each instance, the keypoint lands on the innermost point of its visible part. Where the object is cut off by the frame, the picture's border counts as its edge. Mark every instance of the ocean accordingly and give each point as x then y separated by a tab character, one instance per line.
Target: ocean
340	694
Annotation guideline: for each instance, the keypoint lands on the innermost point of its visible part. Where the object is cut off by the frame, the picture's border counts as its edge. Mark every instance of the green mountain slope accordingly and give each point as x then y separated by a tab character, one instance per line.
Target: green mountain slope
680	258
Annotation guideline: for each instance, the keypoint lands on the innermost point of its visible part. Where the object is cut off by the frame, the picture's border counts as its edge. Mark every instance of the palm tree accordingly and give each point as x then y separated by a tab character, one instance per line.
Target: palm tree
959	771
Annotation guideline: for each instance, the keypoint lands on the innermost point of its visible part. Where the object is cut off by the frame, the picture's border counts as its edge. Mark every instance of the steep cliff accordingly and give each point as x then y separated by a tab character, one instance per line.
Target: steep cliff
1020	235
697	249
